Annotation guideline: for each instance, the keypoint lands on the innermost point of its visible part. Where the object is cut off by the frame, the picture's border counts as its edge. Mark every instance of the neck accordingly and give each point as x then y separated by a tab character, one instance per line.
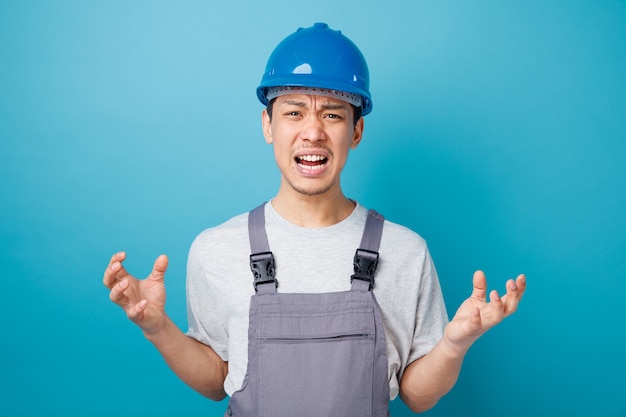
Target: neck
313	211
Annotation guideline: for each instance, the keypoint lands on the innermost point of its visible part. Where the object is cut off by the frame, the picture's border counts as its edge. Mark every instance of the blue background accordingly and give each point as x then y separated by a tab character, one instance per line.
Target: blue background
498	133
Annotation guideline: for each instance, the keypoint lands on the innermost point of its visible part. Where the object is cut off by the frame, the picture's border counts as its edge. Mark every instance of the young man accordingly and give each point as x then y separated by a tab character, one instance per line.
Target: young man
278	318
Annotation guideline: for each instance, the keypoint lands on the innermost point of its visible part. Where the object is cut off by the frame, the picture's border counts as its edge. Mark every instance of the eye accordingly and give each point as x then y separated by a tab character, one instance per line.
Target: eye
334	116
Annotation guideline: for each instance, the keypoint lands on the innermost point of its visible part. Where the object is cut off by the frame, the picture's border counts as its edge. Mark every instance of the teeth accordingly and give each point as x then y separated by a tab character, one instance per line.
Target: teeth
318	160
312	167
311	158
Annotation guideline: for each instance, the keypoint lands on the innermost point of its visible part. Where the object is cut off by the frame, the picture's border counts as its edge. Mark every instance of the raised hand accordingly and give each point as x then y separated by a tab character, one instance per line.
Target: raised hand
475	315
142	300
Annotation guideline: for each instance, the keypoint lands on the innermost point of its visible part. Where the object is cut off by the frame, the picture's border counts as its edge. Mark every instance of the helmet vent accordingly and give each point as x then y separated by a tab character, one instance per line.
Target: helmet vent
354	99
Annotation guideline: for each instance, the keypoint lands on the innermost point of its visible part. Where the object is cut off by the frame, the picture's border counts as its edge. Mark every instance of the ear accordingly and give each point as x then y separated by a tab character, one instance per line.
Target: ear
267	127
358	134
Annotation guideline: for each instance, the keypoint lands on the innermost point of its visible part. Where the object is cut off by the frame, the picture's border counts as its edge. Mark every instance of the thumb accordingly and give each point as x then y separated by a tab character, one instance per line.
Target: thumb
159	268
479	282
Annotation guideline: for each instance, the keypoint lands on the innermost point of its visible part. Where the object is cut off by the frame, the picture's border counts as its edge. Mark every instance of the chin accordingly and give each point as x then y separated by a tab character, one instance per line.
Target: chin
311	190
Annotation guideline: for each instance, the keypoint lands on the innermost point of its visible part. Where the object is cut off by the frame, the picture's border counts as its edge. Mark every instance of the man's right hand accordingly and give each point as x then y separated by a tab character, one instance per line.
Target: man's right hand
142	300
144	303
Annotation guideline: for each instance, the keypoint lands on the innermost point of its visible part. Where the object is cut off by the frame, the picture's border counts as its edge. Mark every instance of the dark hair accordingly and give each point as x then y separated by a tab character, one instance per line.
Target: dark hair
357	111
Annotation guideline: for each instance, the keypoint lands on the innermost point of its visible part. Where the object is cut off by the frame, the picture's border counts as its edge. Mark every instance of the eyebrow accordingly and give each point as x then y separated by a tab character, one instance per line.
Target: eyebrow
295	103
333	106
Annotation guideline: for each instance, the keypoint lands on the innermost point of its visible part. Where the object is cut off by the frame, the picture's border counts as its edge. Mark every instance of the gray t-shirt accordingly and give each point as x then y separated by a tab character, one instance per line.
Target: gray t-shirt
219	284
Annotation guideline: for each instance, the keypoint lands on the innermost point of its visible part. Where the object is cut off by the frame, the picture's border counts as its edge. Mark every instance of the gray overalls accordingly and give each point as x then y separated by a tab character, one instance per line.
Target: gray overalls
316	355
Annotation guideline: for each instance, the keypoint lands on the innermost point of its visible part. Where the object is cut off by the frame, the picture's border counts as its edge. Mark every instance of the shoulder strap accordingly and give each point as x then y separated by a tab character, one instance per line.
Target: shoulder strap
256	230
366	257
373	231
261	258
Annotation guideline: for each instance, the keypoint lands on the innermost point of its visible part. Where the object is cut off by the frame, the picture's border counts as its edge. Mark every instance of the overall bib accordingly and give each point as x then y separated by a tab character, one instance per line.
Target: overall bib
316	355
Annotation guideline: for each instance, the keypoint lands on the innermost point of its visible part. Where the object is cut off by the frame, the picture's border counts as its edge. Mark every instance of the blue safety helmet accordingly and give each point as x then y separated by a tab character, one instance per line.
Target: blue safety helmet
317	57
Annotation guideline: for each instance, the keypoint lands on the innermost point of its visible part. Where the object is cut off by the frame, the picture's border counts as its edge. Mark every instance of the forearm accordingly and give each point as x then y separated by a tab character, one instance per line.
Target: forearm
429	378
193	362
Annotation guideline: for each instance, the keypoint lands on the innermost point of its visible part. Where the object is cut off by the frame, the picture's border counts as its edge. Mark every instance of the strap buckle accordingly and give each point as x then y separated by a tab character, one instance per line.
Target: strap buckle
262	266
365	264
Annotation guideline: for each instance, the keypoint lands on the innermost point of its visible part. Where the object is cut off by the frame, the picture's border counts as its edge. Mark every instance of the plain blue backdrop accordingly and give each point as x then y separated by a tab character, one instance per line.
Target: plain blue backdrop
498	134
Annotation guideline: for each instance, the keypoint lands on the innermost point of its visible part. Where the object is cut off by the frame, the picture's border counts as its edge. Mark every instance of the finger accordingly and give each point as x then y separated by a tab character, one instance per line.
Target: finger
480	286
159	268
111	273
496	308
117	294
135	313
514	291
475	320
521	284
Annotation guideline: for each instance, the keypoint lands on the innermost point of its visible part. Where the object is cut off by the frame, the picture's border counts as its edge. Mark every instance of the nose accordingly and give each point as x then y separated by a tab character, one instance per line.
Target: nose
313	129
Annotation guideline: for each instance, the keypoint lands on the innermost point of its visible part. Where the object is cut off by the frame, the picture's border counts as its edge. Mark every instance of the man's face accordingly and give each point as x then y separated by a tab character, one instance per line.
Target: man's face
312	136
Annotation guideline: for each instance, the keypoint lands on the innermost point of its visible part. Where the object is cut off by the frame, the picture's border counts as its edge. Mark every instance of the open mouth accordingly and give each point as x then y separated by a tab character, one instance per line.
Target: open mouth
311	162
